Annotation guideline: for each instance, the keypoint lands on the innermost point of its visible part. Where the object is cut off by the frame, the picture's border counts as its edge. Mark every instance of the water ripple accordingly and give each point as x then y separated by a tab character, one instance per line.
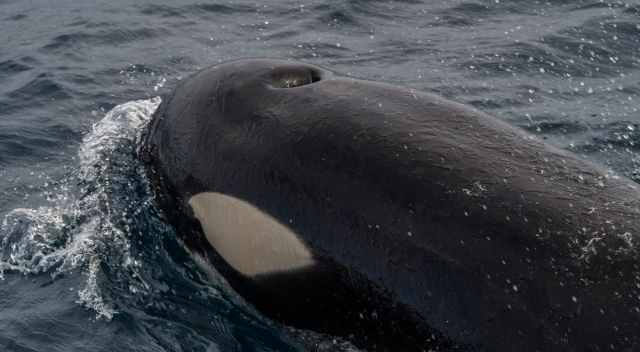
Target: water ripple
103	37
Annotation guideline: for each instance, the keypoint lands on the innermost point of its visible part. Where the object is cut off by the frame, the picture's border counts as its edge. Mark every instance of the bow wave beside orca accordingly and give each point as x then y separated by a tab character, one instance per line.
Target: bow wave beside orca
397	218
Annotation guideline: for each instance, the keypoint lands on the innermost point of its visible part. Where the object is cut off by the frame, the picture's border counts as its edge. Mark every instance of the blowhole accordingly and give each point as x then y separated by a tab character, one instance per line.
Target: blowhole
292	78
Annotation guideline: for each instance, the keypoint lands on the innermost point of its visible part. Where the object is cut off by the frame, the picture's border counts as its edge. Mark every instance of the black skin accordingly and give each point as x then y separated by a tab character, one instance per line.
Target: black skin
434	225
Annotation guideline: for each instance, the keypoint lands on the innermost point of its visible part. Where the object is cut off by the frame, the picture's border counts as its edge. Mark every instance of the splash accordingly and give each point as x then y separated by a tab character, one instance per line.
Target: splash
94	220
90	295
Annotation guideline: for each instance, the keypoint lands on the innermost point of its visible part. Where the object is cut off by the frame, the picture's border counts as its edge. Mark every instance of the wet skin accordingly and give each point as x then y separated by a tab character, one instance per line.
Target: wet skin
395	217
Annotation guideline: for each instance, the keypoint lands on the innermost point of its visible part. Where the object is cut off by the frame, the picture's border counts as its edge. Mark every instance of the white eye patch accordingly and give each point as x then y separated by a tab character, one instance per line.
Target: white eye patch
251	241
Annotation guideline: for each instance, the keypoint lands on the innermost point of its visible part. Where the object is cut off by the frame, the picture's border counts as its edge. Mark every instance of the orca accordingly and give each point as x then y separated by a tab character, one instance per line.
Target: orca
394	217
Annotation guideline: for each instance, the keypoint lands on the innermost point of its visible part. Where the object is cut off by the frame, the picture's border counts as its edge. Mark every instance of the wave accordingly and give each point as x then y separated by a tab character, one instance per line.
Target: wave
84	224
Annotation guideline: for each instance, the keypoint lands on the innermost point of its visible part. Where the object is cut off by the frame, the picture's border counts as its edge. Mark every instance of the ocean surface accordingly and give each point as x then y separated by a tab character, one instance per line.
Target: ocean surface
86	262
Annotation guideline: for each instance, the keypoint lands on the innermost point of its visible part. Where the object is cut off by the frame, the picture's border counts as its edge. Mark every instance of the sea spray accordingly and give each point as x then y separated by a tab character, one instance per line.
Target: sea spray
78	229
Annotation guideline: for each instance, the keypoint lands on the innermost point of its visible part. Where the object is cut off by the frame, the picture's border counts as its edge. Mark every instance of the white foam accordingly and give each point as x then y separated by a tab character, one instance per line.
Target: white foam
90	295
73	232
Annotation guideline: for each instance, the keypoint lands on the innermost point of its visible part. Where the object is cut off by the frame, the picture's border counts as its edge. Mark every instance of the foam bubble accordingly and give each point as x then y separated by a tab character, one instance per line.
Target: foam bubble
80	227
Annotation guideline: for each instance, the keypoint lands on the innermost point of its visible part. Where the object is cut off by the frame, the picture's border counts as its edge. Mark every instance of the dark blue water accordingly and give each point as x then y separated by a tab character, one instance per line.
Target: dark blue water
86	261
